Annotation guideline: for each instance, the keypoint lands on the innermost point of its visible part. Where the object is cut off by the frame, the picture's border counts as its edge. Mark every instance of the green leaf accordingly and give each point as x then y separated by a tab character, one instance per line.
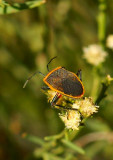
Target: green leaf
33	139
6	8
73	146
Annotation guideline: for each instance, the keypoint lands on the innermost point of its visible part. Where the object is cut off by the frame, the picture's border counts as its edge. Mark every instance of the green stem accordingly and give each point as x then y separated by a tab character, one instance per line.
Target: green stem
101	19
102	93
95	82
55	137
105	86
66	134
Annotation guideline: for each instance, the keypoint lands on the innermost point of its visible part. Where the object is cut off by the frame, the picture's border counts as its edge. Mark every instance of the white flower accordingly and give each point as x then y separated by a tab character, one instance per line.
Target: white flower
94	54
87	107
71	119
73	111
109	41
75	106
84	108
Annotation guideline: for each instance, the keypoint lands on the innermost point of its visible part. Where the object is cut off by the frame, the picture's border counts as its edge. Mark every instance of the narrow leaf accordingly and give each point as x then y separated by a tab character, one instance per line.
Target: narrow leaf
33	139
73	146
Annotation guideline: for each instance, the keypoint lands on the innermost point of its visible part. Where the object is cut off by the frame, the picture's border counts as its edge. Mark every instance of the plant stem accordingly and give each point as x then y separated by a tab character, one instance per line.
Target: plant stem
55	137
105	86
95	84
101	19
66	134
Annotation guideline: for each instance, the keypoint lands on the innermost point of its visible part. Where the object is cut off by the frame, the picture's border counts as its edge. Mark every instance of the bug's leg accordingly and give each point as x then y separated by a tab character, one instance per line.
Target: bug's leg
45	88
66	108
55	99
79	73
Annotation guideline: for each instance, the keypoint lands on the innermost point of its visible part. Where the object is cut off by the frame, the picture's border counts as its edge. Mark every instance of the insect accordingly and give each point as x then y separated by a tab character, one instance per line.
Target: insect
63	82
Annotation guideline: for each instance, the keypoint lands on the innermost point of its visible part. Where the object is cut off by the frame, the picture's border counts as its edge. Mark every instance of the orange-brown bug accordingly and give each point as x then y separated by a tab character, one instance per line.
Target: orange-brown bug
63	82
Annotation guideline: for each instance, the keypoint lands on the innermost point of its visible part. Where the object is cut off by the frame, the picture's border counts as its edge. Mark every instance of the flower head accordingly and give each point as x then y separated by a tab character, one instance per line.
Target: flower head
71	119
109	41
83	108
73	111
87	107
94	54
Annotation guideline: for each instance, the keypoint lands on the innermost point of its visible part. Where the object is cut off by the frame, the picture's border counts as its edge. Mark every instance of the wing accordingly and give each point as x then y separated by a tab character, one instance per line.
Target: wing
65	82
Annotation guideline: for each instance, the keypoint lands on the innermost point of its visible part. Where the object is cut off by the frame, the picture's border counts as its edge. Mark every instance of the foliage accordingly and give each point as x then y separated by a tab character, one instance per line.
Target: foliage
7	6
30	37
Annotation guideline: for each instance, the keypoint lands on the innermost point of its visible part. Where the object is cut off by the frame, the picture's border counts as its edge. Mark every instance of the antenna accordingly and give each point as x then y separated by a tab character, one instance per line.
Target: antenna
31	78
50	62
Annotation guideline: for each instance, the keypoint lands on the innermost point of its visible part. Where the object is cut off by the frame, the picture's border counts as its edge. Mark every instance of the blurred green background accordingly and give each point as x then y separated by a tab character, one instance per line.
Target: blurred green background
28	40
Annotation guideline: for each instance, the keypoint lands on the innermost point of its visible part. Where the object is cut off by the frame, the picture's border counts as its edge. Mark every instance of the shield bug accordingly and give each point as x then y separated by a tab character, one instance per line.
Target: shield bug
63	82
